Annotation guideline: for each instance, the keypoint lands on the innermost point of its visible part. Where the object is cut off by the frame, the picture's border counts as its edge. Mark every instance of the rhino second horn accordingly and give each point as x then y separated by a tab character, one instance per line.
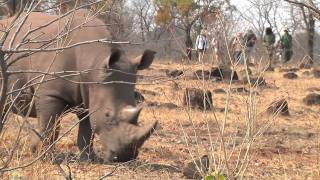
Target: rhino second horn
144	132
131	114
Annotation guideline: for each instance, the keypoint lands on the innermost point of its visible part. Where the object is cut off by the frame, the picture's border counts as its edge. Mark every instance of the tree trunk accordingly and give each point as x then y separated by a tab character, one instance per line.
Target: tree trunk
311	30
188	42
142	28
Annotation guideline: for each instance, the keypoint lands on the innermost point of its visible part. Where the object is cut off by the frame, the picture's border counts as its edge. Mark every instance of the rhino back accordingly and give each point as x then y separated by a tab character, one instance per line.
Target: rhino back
66	32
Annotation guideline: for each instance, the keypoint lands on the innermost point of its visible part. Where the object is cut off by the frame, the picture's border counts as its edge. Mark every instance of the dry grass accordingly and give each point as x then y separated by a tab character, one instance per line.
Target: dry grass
288	149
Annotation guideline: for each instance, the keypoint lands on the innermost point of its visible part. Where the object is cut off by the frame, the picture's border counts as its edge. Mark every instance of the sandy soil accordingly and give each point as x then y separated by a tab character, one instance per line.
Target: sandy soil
286	148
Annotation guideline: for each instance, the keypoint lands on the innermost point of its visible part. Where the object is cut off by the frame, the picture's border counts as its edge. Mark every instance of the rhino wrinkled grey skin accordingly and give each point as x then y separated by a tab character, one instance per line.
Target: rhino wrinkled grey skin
112	112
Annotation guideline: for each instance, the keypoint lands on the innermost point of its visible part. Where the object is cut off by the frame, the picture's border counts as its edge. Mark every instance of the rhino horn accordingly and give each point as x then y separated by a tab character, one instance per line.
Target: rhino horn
144	132
130	114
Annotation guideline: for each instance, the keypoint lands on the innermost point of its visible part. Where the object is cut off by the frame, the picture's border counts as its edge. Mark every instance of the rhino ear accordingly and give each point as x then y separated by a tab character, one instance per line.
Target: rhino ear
144	61
115	56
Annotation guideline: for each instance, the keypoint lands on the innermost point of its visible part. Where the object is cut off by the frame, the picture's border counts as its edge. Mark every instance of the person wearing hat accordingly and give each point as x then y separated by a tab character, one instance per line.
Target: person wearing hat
286	44
201	44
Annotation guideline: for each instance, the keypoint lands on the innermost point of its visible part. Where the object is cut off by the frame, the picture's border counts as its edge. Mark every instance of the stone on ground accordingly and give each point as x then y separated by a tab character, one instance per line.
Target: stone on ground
198	99
312	99
316	73
224	73
174	73
290	75
279	107
202	74
197	168
139	97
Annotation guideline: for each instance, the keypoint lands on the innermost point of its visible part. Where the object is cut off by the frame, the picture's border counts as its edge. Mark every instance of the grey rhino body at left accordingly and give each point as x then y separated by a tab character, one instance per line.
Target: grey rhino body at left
105	86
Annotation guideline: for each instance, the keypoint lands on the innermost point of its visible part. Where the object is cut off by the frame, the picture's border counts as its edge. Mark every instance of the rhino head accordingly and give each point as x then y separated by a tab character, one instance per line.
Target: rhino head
114	114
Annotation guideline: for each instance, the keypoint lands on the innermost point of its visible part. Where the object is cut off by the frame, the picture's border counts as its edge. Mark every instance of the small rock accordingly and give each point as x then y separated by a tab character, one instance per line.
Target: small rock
312	99
290	75
202	74
306	73
316	73
162	105
224	73
221	110
163	70
174	73
197	98
138	97
168	105
288	70
239	90
152	104
196	169
147	92
271	69
279	107
219	91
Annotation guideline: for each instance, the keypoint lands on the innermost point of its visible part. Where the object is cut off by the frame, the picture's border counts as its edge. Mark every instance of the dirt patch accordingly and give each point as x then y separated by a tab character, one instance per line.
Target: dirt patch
288	143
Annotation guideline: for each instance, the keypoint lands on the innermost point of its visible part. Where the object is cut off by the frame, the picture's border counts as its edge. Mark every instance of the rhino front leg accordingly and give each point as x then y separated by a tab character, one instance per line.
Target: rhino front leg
85	138
49	109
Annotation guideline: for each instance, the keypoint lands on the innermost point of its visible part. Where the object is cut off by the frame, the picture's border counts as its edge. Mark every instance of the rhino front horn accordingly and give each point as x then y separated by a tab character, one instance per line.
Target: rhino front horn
144	132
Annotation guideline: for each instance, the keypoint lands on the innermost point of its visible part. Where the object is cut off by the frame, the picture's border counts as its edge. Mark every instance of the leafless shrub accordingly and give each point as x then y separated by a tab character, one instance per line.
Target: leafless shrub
229	152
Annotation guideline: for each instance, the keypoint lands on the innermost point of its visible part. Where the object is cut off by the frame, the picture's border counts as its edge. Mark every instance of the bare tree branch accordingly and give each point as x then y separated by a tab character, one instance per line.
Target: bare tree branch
310	5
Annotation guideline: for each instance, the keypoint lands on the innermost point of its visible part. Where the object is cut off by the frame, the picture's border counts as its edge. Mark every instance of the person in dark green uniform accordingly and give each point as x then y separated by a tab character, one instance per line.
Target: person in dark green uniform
286	43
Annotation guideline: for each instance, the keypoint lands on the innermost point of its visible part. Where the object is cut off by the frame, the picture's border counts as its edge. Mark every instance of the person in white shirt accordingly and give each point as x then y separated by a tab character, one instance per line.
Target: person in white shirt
201	44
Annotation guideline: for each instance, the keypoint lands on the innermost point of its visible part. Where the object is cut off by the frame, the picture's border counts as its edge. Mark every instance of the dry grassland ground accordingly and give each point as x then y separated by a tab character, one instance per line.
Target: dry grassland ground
288	148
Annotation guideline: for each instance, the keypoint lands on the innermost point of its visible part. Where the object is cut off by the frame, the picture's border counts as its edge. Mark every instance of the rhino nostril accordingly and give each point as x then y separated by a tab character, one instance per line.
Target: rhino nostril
107	114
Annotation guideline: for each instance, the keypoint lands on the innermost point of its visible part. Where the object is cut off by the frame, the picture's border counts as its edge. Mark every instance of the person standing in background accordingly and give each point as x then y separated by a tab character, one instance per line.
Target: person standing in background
215	49
237	47
201	44
268	42
286	43
249	41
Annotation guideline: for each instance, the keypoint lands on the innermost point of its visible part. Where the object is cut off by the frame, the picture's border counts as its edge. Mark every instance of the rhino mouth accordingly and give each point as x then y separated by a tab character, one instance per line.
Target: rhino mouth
123	142
126	155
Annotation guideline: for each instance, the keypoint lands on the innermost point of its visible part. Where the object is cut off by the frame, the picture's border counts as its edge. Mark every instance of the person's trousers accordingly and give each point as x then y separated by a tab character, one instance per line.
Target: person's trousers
286	55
